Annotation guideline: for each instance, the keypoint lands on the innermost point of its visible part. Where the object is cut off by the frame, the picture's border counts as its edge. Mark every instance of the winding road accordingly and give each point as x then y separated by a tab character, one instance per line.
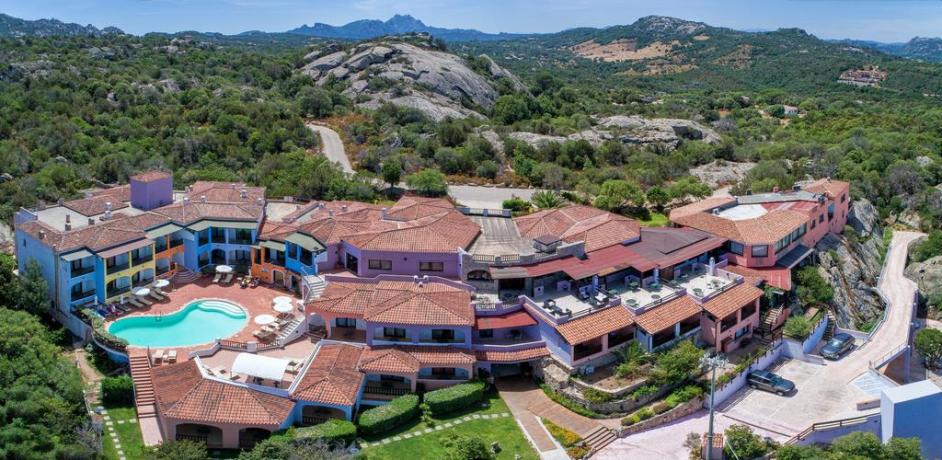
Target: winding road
826	391
332	146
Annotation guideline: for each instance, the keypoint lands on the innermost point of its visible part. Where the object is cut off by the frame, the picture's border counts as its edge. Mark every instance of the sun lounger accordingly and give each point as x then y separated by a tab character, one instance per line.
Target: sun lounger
227	279
135	303
158	356
172	356
161	292
124	308
156	295
144	301
217	277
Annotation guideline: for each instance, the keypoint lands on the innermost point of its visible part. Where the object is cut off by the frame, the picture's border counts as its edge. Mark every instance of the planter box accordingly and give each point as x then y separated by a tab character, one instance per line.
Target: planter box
682	410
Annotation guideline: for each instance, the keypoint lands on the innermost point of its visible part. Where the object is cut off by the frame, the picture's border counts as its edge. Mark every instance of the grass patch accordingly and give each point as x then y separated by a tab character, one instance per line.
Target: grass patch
503	430
655	219
869	324
129	434
566	438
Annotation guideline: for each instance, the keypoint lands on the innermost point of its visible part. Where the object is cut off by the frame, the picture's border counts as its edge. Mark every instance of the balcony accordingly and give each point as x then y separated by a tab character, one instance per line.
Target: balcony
385	391
77	272
79	295
245	241
175	243
219	238
113	292
142	259
118	268
278	262
440	340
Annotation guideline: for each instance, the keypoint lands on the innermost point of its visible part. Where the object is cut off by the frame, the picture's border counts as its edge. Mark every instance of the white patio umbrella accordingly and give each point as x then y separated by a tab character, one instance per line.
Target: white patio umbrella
283	299
283	308
141	291
264	319
223	269
161	283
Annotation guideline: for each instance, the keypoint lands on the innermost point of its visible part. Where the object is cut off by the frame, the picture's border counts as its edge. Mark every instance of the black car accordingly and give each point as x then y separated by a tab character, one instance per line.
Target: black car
837	346
767	381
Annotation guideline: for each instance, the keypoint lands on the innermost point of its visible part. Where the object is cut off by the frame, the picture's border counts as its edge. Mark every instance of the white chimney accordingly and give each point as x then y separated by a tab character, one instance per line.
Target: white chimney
107	214
88	194
68	222
343	208
42	234
186	200
243	194
259	200
203	198
384	213
330	213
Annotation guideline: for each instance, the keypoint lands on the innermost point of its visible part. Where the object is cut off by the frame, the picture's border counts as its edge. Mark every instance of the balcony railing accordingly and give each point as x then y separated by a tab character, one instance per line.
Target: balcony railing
240	241
309	420
118	291
218	238
142	259
442	340
390	338
119	267
175	243
81	295
391	390
76	272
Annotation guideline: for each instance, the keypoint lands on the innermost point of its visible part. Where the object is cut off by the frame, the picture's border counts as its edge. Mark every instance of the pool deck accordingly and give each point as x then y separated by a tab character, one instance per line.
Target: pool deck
256	301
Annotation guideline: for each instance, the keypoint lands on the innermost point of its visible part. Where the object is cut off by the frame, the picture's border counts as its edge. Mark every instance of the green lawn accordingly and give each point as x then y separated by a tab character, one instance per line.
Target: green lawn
128	433
655	219
504	430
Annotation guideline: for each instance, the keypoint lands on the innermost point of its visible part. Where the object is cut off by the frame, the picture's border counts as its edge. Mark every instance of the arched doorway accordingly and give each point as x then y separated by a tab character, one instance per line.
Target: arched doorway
248	437
278	277
312	415
206	434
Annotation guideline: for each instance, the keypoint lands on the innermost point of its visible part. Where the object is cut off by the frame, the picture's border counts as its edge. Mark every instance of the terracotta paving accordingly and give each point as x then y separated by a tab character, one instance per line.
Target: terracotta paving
256	301
526	400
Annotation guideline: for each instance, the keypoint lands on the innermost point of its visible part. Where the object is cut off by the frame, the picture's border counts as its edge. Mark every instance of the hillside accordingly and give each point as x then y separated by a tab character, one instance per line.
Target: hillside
670	54
396	25
922	48
14	27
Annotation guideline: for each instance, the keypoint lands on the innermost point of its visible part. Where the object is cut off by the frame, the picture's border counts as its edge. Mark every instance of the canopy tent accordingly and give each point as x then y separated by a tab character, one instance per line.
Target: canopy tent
264	367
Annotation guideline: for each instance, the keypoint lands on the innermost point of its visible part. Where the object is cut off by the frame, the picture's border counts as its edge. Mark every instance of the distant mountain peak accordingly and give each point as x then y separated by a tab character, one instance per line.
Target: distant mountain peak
12	26
668	24
396	25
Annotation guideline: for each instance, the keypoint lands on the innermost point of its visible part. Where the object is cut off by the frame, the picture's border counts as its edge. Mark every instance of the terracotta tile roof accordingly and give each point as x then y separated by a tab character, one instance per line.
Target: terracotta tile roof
732	300
150	176
388	360
188	213
444	232
705	205
120	193
276	231
596	227
183	394
119	230
397	302
766	229
668	314
413	208
439	356
332	378
519	318
779	277
509	357
224	192
596	324
95	205
830	187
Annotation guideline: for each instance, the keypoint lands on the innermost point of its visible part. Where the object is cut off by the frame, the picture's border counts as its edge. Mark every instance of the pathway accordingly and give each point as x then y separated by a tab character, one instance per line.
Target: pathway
332	146
825	392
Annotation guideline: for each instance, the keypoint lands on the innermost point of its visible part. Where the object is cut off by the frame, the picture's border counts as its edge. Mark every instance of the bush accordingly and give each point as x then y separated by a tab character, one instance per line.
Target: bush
101	334
677	364
516	205
630	420
454	398
683	395
565	437
797	327
660	407
332	432
596	396
564	401
643	391
645	413
388	416
117	390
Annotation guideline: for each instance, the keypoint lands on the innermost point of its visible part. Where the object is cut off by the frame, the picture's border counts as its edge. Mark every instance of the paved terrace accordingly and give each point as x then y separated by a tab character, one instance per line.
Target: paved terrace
825	392
256	301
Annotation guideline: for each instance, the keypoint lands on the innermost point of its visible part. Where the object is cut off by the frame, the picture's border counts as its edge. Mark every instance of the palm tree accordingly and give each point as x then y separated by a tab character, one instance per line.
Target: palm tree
546	199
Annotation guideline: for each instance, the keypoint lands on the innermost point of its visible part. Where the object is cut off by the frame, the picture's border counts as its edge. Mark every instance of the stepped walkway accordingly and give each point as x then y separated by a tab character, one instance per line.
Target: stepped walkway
144	398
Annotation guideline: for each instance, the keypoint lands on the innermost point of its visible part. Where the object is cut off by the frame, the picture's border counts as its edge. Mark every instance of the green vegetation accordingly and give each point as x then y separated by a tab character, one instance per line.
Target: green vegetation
332	432
179	450
568	403
547	199
428	182
654	219
853	446
742	442
454	398
566	438
797	327
928	343
677	364
389	416
129	434
811	288
117	390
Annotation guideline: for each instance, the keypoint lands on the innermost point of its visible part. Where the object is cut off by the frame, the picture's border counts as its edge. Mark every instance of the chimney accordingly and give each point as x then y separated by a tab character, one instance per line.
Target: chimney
343	208
88	194
716	212
775	189
186	200
243	194
259	200
330	213
91	221
749	192
42	234
60	201
796	188
68	222
384	213
203	198
107	214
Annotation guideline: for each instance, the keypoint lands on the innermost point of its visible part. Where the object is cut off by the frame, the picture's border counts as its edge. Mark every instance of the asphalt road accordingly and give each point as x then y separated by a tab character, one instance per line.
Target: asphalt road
332	146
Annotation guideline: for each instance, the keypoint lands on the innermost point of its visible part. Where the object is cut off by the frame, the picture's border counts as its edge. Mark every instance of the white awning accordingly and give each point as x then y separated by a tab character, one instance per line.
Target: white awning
260	366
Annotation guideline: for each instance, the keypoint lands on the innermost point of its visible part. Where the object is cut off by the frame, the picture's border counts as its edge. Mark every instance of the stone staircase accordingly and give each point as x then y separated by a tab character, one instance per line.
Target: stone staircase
315	287
598	439
830	328
144	397
287	331
184	276
770	318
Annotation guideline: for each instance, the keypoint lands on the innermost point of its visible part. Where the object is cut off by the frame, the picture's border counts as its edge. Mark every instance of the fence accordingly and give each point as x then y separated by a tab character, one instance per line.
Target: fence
833	425
724	391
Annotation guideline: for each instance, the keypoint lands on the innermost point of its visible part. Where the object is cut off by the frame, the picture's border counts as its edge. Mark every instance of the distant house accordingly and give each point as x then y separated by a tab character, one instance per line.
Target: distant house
867	76
790	110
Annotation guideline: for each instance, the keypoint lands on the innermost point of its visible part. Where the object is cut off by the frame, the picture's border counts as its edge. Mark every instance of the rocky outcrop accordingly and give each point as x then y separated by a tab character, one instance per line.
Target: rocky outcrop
437	83
851	264
635	130
718	173
928	275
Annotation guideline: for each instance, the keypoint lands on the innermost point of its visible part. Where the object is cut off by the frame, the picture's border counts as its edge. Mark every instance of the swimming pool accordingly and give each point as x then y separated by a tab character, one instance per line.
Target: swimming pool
200	321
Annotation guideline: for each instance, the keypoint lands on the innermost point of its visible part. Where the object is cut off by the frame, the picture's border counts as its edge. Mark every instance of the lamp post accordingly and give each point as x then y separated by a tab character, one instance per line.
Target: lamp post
713	362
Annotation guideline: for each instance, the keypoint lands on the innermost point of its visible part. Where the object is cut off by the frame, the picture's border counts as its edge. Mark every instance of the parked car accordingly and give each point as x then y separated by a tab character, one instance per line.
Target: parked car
838	345
767	381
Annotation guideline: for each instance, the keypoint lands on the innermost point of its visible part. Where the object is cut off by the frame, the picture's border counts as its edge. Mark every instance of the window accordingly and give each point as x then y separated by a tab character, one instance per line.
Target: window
843	197
736	248
346	322
443	372
486	333
391	378
760	250
814	223
394	332
378	264
432	266
821	218
443	335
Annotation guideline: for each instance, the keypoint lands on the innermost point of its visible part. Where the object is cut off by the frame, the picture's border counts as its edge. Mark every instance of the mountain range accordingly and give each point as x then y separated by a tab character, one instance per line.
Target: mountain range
11	26
398	24
924	48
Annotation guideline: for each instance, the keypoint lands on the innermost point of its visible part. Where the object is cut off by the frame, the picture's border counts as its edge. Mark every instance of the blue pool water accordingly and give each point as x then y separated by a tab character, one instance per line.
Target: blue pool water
200	321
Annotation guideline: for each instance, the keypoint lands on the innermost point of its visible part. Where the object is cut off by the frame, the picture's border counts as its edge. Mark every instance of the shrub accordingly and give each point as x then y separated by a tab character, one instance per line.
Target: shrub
630	420
596	396
564	401
645	413
643	391
389	416
101	334
660	407
332	432
565	437
516	205
454	398
117	390
797	327
683	395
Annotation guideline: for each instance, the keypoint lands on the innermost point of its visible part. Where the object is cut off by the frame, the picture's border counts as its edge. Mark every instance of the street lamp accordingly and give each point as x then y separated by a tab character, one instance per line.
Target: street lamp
713	362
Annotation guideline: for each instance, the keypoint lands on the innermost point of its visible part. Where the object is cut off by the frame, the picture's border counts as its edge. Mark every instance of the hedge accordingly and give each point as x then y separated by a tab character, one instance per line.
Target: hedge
388	416
333	431
101	334
454	398
117	390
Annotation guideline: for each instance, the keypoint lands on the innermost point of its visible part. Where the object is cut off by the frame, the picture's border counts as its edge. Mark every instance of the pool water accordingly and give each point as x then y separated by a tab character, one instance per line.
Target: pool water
200	321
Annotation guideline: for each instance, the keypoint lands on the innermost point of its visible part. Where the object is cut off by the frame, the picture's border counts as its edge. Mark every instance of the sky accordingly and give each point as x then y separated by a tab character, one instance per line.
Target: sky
881	20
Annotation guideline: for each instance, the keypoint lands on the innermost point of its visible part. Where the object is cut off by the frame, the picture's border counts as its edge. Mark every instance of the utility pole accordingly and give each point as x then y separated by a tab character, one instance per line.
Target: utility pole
713	362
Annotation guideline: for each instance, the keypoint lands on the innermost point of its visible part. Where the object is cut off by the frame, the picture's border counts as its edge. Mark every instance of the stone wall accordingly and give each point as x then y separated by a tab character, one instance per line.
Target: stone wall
682	410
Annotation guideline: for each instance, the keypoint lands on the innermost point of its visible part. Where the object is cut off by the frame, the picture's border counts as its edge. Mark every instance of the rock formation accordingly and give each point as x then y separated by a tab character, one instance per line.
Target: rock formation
437	83
635	130
851	263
